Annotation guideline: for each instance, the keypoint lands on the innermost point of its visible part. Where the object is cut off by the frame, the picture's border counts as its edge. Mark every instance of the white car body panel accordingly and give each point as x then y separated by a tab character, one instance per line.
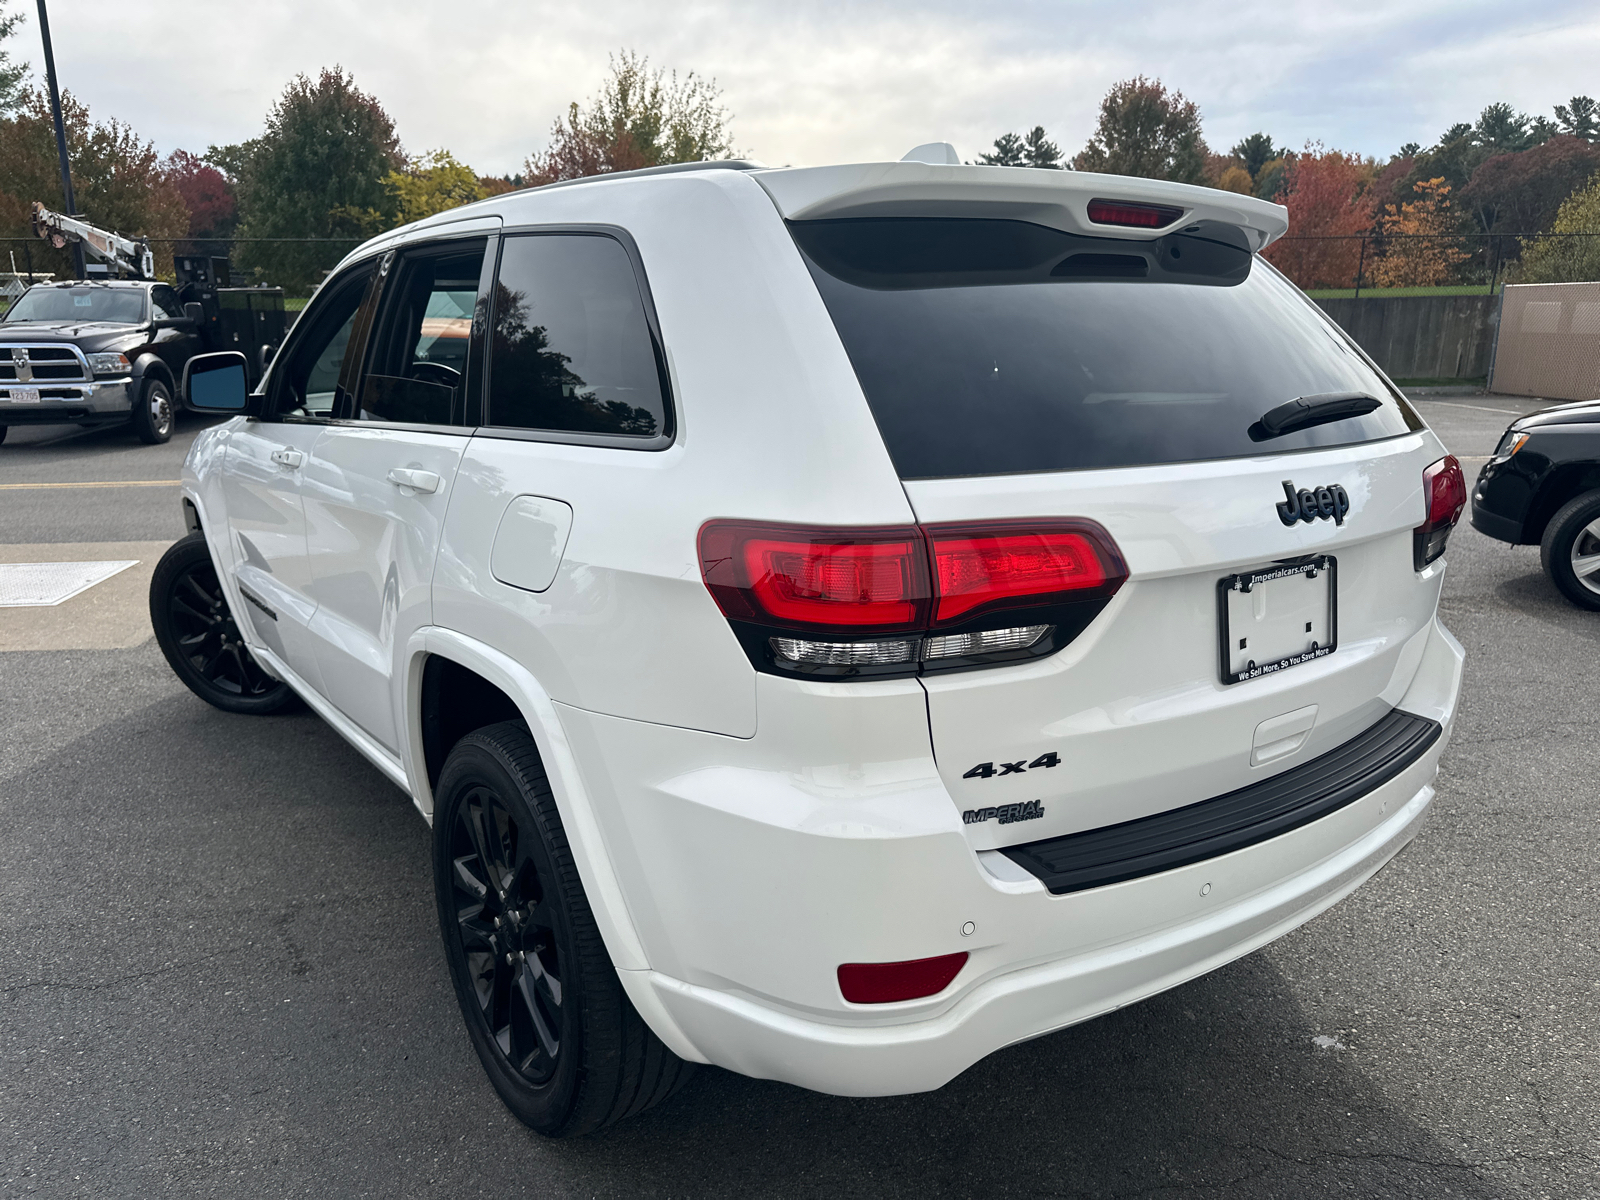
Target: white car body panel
739	834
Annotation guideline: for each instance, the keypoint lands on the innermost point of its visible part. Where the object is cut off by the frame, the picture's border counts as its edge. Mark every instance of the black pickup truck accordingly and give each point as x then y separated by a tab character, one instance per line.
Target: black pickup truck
113	351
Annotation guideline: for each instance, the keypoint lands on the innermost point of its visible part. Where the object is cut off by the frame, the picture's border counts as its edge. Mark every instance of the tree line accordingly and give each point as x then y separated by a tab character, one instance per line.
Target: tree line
1473	203
328	170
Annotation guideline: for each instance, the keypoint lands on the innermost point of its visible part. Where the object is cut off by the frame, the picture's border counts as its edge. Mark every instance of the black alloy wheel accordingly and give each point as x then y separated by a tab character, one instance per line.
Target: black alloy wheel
154	415
543	1006
507	931
198	635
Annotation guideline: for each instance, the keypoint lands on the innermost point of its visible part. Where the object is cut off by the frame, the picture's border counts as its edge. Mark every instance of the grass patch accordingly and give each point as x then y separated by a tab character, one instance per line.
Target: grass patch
294	303
1463	289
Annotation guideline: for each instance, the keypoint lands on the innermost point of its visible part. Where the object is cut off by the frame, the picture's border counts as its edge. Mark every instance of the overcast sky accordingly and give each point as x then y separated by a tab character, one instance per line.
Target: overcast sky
830	81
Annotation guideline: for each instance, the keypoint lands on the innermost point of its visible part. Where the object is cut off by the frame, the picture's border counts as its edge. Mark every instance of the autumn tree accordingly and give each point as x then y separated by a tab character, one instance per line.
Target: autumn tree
316	171
1566	258
1421	246
1236	179
1328	214
12	74
207	196
1148	131
1521	193
117	179
1271	178
639	118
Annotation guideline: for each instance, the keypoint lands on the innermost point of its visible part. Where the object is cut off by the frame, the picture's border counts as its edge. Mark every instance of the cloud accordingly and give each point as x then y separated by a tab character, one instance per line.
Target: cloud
831	81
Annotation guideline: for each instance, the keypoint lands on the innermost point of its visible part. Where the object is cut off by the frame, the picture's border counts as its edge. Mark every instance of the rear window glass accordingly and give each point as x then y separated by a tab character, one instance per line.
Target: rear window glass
994	347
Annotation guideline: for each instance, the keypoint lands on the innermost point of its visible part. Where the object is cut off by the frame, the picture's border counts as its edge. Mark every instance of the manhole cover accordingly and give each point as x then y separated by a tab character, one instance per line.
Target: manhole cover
35	585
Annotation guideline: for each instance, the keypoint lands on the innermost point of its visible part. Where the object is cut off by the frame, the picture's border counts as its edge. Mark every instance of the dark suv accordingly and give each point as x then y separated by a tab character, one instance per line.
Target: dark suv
95	353
1542	488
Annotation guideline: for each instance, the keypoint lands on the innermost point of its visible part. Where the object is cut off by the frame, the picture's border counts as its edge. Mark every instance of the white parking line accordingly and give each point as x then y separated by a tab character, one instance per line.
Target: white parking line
46	584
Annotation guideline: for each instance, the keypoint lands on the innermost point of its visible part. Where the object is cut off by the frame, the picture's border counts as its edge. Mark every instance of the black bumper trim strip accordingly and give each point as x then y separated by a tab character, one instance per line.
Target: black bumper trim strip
1298	796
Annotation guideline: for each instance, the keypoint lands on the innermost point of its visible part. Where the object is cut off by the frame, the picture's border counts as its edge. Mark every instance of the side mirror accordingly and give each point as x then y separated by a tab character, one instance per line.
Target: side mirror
268	353
216	382
195	312
172	323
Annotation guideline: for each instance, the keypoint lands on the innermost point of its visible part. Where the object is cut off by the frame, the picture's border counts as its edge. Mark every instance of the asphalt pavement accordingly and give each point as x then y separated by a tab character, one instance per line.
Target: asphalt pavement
220	971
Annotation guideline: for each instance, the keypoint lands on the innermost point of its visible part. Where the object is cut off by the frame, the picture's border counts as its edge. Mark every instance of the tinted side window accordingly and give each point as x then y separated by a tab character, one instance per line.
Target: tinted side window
571	348
166	303
419	366
309	379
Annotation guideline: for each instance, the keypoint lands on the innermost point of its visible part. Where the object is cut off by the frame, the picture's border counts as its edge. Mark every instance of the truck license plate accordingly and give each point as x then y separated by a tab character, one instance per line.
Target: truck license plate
21	395
1277	618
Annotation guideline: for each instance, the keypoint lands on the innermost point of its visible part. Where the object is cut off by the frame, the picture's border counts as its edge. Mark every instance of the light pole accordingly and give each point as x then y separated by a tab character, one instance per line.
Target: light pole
61	133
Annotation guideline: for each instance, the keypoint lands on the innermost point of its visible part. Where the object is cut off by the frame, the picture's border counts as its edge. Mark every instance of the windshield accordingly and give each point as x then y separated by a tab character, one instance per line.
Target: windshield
994	347
120	306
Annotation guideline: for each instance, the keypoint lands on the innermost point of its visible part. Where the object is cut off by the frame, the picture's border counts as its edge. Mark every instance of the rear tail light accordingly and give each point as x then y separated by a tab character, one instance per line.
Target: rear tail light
1444	488
907	598
1130	213
884	983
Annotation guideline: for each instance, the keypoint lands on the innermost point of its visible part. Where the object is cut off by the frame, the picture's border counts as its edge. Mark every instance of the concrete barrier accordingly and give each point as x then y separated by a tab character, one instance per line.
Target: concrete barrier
1422	337
1549	341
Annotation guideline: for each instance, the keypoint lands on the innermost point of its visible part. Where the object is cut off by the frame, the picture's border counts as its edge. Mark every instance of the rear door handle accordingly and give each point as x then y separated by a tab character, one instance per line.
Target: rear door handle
288	458
418	481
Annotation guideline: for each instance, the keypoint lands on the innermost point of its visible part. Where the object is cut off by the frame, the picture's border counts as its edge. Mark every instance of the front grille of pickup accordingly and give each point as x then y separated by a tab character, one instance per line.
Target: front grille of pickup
52	364
1164	841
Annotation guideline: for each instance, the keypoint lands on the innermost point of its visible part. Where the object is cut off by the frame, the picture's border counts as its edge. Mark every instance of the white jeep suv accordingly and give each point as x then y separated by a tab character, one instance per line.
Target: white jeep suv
838	621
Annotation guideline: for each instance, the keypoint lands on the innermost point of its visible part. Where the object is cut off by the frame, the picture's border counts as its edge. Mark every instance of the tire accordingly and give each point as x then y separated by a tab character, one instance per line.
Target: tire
154	415
1570	551
197	634
3	430
556	1034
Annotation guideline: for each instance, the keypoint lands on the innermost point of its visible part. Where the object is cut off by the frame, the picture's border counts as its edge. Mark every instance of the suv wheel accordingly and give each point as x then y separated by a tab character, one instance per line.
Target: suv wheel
153	417
3	429
551	1024
197	634
1571	550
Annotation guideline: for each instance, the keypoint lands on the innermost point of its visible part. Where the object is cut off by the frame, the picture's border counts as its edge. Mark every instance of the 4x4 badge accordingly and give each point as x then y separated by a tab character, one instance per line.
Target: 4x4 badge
1307	504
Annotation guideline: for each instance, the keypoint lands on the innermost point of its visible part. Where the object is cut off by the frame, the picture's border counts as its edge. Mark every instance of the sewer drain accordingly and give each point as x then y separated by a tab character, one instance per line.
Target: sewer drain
41	585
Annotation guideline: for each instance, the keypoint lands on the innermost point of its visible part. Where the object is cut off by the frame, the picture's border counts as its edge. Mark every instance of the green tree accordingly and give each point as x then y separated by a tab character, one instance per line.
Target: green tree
1274	175
1255	152
1501	129
1032	149
1009	151
1579	118
1567	259
432	183
118	179
639	118
1147	131
1040	151
316	171
11	74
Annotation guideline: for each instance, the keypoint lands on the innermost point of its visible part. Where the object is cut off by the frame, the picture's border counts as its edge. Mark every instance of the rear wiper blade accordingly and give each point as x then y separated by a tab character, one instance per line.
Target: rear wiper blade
1306	411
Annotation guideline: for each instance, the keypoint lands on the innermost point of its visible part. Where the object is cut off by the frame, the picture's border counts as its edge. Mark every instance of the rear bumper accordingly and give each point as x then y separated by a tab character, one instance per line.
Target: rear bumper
750	881
1130	964
65	403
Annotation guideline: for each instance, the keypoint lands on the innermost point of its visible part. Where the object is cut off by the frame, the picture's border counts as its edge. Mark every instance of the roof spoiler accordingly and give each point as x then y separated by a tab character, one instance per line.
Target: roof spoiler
1057	199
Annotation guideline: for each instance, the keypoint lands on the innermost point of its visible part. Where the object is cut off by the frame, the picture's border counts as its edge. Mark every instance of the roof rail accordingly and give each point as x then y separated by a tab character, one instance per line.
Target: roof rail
712	164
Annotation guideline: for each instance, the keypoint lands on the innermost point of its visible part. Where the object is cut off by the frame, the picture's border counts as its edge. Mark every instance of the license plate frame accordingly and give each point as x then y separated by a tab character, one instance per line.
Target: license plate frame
23	395
1245	583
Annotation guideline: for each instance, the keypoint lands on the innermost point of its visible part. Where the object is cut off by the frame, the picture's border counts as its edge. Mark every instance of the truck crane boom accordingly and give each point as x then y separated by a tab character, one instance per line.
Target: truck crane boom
120	253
